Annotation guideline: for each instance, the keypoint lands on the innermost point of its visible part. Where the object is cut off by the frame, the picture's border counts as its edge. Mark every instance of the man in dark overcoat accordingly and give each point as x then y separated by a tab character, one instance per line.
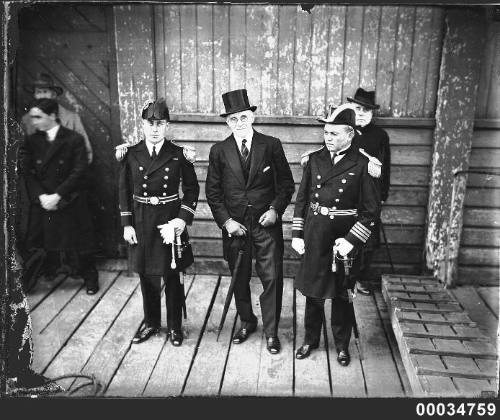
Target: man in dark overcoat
337	205
150	176
374	141
249	185
53	161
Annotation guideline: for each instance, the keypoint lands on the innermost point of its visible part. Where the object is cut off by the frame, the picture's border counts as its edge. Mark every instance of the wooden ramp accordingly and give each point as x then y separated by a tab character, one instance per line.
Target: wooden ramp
445	352
79	334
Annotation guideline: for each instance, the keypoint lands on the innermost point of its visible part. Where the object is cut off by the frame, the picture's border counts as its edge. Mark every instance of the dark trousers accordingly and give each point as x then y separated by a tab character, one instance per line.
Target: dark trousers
266	244
341	321
151	298
85	260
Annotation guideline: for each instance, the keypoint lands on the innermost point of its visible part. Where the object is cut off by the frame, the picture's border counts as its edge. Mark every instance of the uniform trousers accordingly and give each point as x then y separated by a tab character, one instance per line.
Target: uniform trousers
151	298
266	244
341	321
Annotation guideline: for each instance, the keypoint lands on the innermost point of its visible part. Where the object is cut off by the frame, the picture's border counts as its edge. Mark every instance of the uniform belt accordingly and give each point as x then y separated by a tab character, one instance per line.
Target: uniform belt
154	201
331	211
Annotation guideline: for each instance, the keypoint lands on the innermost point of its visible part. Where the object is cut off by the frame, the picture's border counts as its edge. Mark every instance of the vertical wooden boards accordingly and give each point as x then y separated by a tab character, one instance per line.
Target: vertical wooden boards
352	53
136	75
335	70
237	39
221	56
369	50
269	66
287	17
205	58
403	55
253	54
189	57
302	63
385	62
172	57
461	58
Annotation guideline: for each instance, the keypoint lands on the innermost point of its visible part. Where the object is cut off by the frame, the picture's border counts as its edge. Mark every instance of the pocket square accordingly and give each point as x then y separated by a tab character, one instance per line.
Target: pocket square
266	168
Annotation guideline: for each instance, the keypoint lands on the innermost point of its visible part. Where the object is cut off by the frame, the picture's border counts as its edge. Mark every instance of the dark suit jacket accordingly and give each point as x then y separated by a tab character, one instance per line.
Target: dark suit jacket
270	181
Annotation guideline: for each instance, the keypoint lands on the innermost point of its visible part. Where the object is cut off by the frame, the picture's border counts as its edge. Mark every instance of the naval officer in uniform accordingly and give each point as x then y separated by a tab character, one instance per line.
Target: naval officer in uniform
337	204
150	175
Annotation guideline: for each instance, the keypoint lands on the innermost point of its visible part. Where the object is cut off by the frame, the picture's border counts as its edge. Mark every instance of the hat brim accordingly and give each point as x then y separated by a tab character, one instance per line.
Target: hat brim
31	89
251	108
322	120
365	104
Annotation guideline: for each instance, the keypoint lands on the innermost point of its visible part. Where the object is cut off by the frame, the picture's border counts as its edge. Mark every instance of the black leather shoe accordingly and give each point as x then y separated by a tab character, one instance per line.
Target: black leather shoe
92	289
145	334
242	335
176	337
343	358
305	350
273	345
363	289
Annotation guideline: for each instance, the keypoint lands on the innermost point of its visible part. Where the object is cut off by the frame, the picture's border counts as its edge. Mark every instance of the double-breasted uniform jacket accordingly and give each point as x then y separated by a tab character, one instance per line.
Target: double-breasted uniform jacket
56	167
270	181
157	180
349	200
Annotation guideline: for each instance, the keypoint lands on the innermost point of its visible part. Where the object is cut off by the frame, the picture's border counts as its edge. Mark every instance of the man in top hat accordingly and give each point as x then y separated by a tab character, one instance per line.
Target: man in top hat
375	142
44	87
337	205
249	185
150	176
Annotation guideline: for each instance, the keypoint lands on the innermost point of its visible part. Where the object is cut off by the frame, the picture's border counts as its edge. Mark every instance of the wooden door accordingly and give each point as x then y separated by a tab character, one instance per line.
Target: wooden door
75	45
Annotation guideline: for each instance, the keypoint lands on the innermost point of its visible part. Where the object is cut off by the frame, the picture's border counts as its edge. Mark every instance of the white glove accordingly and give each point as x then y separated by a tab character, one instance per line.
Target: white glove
167	232
179	225
298	245
129	235
343	247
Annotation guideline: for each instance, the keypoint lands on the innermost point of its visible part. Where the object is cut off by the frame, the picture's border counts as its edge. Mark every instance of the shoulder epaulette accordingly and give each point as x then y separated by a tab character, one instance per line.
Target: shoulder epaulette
188	151
305	156
374	165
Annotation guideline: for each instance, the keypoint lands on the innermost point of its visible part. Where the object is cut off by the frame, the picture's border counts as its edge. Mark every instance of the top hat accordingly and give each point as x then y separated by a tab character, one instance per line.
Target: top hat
43	80
342	115
236	101
155	110
365	98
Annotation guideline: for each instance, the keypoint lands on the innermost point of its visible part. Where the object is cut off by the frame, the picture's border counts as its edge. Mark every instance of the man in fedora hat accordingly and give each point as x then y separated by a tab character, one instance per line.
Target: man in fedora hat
44	87
337	205
150	206
375	142
249	185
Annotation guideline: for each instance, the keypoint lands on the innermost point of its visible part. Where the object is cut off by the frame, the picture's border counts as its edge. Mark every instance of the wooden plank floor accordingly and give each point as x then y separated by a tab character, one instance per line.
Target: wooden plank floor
79	334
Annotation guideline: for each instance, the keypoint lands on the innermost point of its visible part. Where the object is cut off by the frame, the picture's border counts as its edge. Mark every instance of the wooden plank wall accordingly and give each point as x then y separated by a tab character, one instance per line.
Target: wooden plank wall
403	214
479	258
295	63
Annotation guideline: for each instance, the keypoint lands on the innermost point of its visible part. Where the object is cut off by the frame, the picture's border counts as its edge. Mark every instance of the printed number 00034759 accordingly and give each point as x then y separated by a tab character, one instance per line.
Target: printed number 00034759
456	409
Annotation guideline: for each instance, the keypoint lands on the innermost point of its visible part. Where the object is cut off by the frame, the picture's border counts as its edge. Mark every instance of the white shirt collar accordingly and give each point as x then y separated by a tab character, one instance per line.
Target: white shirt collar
248	139
339	157
156	145
52	133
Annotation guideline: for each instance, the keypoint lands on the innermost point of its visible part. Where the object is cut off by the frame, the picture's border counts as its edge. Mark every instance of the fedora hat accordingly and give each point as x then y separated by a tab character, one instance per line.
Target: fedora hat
236	101
365	98
155	110
43	80
342	115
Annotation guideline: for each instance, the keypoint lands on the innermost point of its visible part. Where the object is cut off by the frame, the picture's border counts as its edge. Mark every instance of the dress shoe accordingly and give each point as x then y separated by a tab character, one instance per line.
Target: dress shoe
343	358
242	335
364	290
92	289
305	350
145	334
273	345
176	337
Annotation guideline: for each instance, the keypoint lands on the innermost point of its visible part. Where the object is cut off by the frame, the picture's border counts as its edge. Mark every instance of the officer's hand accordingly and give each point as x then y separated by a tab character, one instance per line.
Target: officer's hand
235	229
129	235
43	201
268	218
167	232
298	245
343	247
51	201
179	225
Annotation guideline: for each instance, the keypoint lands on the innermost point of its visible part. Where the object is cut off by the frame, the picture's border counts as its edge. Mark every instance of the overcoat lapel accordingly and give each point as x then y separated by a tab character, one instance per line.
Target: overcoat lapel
163	157
233	159
54	147
344	165
257	154
142	156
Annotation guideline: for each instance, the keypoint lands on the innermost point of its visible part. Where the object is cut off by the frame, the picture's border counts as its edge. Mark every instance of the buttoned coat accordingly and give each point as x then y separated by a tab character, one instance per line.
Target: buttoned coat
346	185
56	167
143	177
270	180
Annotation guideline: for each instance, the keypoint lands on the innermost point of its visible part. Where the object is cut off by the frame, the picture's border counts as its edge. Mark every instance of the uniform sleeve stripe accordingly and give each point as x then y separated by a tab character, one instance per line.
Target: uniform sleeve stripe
125	213
362	228
359	235
359	232
297	228
189	209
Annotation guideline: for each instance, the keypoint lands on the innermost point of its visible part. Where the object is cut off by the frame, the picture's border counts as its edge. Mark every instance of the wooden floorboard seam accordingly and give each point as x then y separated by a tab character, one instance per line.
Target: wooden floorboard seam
56	284
202	332
487	304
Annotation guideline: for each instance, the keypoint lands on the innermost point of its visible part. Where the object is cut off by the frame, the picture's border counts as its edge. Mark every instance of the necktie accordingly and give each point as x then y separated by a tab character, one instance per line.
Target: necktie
244	149
153	155
337	154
